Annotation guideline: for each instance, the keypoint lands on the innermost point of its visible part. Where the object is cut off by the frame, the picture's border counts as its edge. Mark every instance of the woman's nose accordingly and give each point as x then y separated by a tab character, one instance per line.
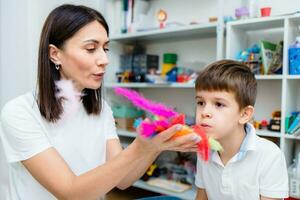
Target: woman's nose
102	59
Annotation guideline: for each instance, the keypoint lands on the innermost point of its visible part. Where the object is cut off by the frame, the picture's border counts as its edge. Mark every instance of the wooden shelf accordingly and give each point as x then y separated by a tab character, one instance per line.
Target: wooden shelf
126	133
260	23
150	85
267	133
178	32
268	77
187	195
293	77
297	137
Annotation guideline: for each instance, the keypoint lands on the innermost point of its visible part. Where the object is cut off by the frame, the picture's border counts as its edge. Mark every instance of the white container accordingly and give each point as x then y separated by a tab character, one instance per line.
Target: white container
294	179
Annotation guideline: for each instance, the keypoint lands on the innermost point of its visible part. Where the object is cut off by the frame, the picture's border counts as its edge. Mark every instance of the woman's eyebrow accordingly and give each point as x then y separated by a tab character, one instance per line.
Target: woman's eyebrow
91	40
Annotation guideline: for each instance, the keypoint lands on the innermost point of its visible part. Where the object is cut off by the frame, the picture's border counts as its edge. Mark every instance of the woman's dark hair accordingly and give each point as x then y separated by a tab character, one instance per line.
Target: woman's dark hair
61	24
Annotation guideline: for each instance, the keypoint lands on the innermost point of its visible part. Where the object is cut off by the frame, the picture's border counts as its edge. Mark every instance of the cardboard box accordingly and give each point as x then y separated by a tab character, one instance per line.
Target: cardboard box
125	123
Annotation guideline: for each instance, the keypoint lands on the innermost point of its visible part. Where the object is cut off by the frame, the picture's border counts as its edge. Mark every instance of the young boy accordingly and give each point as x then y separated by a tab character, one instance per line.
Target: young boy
249	167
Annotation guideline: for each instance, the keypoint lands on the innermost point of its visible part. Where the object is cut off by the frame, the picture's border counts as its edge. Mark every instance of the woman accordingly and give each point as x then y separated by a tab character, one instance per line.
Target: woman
79	157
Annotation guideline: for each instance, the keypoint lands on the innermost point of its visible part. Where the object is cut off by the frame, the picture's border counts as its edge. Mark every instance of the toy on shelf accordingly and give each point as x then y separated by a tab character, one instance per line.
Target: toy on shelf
265	11
275	122
251	57
273	125
293	126
164	118
162	17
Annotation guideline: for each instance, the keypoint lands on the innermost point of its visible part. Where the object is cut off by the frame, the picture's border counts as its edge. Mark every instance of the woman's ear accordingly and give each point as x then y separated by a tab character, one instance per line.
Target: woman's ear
54	54
246	114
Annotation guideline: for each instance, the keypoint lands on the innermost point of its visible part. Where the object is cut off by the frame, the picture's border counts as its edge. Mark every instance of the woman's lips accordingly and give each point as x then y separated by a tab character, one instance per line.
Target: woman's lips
98	76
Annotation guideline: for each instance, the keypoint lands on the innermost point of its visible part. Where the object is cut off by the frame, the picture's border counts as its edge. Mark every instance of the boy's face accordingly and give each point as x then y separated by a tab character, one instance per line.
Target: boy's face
218	113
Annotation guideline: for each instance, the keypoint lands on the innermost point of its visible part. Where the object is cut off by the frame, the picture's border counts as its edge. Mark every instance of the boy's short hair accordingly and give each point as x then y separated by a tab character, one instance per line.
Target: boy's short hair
229	76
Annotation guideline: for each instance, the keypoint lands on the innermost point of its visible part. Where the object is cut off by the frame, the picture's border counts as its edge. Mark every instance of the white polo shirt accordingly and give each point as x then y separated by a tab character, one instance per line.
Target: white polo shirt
259	168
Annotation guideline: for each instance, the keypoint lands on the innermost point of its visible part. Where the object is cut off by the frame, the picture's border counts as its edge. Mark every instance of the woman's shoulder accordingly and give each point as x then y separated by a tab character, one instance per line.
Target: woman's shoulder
19	106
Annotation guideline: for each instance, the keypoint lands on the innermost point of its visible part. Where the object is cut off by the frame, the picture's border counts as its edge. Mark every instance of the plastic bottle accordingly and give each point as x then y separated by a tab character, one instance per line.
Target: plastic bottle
294	178
296	44
253	8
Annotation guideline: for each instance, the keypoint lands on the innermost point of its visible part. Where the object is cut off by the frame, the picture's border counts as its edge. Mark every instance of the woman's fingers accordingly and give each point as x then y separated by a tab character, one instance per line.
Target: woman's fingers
186	141
167	134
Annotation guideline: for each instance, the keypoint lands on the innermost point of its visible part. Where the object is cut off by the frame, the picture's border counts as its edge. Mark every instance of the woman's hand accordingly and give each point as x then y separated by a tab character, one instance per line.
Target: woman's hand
162	141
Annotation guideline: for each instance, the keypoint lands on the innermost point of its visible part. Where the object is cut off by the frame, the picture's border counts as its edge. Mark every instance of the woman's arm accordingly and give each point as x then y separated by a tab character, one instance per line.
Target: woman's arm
51	171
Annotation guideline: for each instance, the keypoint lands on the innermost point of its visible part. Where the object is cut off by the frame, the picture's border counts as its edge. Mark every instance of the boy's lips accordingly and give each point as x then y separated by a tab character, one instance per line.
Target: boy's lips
204	125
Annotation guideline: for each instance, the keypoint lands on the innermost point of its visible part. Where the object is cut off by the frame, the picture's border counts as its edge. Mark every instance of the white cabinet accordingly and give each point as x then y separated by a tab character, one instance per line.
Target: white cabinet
204	43
194	44
275	92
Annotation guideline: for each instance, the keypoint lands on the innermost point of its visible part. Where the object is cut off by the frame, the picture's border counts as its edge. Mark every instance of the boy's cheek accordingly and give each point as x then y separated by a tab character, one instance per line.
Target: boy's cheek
198	118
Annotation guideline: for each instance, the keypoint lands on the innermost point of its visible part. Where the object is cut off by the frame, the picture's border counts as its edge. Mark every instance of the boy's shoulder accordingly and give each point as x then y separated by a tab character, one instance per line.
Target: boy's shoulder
267	148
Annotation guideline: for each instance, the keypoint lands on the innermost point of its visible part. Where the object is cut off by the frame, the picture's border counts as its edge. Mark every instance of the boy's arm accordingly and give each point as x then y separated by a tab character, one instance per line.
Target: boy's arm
201	194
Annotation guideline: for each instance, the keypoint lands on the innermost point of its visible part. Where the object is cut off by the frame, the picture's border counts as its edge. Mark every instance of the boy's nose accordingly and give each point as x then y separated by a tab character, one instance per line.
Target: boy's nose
206	115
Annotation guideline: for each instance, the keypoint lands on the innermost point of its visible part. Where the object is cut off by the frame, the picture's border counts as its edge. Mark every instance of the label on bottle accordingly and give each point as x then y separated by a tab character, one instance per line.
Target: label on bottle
294	187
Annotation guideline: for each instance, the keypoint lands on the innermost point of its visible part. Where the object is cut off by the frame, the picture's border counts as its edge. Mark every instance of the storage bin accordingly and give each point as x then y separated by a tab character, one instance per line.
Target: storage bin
294	61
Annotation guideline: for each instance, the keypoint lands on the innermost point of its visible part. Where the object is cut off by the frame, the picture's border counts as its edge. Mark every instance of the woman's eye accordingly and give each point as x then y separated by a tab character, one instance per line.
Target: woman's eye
91	50
106	49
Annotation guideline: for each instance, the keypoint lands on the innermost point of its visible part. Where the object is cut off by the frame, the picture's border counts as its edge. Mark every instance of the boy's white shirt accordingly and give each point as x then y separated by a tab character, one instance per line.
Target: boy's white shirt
259	168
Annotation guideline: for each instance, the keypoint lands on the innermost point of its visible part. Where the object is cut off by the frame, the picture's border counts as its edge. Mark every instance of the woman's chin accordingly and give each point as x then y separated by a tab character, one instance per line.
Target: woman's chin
95	86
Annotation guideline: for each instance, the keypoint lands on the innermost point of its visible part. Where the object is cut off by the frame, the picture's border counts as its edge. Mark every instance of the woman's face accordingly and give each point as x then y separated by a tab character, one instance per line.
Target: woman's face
83	58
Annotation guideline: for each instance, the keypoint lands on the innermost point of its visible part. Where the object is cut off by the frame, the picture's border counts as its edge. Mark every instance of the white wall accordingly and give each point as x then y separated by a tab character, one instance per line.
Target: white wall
20	26
21	23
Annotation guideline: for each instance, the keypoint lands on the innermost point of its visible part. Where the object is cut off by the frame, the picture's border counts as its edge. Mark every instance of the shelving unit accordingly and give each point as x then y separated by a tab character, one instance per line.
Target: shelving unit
204	42
171	33
187	195
276	92
197	43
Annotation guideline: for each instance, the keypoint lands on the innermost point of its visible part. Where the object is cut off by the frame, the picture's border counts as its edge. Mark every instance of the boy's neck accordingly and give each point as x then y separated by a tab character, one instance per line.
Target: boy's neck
231	144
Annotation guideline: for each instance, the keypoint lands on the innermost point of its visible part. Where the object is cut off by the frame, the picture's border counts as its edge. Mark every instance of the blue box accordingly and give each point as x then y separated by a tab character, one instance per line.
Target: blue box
294	60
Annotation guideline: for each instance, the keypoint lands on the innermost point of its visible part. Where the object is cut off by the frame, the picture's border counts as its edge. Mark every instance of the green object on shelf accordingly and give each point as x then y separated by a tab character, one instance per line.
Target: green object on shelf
124	111
267	53
170	58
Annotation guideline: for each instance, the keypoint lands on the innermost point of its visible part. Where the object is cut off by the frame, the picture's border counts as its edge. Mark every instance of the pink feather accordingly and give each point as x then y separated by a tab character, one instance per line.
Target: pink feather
71	98
145	104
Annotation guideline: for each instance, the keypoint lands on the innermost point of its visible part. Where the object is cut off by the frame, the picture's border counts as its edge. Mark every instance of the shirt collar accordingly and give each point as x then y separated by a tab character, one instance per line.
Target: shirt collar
248	144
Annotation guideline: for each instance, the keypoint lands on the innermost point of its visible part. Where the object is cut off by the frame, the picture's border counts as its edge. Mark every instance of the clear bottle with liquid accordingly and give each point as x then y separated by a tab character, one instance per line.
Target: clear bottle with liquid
252	6
294	178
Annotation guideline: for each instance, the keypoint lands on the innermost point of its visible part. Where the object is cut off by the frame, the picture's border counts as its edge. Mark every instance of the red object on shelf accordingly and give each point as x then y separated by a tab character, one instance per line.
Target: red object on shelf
265	12
264	123
291	198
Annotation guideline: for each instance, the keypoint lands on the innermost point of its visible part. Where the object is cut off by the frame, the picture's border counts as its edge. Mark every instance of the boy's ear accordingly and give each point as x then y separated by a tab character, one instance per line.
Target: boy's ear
54	54
246	114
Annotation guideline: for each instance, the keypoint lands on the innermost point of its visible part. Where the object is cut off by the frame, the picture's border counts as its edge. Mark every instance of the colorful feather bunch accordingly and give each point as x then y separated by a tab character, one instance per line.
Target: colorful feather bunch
165	118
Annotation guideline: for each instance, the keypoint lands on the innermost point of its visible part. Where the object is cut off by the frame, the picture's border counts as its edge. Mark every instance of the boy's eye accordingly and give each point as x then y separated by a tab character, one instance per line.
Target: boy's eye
218	104
200	103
